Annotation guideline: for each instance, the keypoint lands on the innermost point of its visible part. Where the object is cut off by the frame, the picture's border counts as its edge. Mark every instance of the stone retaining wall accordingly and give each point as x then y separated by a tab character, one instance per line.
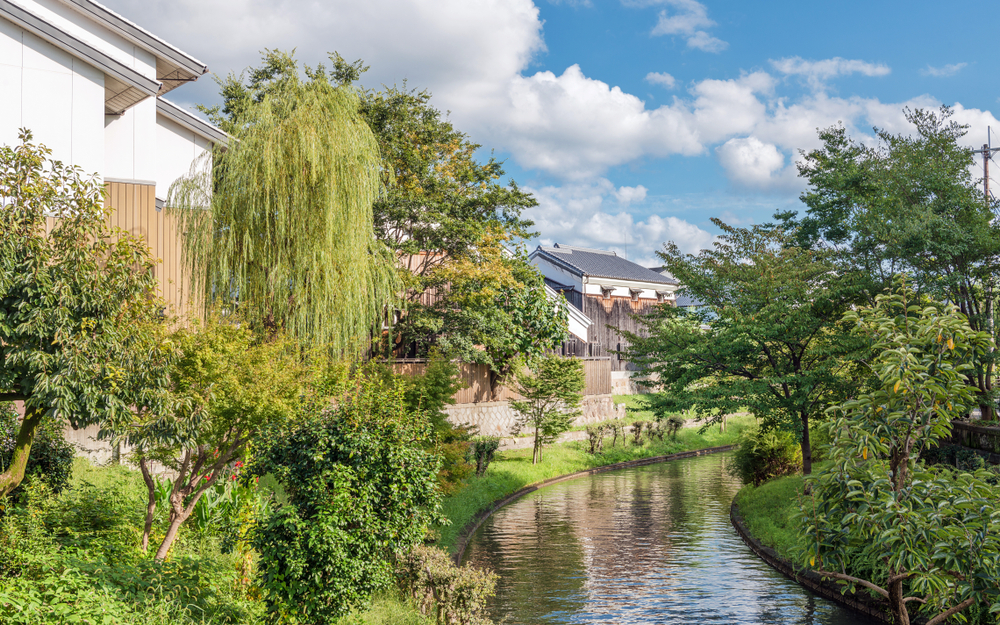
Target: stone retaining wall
984	439
496	418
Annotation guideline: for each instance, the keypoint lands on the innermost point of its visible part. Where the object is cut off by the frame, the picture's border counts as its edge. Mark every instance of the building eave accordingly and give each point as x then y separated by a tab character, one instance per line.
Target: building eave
128	86
192	122
174	67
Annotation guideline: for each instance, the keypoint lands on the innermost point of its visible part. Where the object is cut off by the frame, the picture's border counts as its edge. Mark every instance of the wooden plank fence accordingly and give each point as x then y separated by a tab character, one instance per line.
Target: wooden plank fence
476	379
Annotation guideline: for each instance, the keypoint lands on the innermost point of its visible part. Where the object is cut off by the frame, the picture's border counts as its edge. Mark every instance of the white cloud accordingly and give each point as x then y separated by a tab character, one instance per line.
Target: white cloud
818	72
750	162
687	19
586	214
631	195
661	78
943	72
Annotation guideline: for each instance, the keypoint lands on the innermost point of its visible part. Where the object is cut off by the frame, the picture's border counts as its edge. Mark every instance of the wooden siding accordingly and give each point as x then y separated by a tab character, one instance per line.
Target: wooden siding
133	209
476	379
611	316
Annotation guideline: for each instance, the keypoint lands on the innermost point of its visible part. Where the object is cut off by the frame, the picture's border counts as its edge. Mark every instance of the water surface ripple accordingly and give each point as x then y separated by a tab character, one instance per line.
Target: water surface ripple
645	545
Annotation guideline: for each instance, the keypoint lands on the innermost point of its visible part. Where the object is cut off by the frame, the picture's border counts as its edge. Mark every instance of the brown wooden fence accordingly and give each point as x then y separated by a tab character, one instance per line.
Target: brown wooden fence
476	379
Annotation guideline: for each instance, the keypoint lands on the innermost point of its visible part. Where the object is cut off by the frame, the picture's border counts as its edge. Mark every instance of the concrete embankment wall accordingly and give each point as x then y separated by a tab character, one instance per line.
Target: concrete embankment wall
497	418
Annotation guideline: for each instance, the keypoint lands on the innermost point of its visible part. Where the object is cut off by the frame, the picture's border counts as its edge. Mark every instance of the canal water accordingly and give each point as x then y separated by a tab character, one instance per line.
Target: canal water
647	545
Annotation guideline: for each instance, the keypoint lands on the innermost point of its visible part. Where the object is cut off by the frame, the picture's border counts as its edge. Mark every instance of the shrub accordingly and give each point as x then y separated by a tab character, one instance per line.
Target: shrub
762	455
482	450
595	436
637	429
360	489
455	595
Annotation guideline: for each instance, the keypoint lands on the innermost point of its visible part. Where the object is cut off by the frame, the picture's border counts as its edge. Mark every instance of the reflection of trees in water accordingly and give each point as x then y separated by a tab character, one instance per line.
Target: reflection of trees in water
647	545
533	547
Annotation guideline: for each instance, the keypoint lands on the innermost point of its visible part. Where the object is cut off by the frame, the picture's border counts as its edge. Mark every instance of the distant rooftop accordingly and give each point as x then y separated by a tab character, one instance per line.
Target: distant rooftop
600	264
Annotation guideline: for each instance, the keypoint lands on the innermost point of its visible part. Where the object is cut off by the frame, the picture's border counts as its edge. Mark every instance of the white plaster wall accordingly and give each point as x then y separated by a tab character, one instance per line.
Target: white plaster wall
558	274
576	328
92	33
59	98
130	143
177	148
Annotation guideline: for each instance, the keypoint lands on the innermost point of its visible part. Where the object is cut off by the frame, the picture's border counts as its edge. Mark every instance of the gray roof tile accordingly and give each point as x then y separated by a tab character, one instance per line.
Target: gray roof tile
601	264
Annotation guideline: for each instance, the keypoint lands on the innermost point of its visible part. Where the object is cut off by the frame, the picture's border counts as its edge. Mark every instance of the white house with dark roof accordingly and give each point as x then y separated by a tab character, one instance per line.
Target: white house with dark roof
608	289
89	85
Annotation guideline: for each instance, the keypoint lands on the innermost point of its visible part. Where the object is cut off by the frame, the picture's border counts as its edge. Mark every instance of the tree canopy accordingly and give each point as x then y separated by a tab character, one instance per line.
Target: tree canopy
77	308
283	227
769	338
909	204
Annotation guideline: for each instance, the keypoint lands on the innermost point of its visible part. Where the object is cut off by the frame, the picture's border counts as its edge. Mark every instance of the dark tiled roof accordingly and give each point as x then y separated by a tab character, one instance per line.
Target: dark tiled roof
556	286
662	270
600	264
683	301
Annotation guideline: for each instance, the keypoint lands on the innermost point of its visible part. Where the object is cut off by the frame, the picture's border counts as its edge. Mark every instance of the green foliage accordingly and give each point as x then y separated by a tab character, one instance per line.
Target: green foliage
228	386
455	595
770	338
482	450
496	313
75	304
288	231
434	389
770	512
76	557
51	458
552	395
360	489
908	203
917	520
763	455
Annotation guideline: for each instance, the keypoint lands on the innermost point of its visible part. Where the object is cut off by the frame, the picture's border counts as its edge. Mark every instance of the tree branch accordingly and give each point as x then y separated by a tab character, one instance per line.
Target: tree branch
856	580
940	618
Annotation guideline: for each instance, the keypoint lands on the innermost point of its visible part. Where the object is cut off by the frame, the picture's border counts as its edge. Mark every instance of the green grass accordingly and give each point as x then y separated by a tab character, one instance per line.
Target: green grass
512	470
768	511
388	609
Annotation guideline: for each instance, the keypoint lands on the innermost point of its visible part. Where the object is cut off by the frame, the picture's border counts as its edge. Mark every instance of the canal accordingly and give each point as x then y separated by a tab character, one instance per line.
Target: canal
647	545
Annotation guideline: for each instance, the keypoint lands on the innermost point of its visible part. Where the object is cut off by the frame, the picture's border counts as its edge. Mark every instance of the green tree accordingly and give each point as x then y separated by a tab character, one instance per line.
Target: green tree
770	337
909	203
77	316
228	386
929	528
496	313
552	394
360	490
288	234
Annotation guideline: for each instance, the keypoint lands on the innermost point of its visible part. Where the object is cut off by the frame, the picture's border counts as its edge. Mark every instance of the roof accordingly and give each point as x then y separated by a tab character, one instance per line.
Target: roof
173	67
599	264
192	122
663	271
123	88
684	301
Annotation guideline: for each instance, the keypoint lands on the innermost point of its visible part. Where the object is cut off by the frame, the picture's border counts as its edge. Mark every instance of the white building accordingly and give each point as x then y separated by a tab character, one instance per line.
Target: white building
89	85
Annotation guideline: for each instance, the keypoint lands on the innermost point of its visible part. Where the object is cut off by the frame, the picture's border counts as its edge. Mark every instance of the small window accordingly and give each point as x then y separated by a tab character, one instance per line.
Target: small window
635	293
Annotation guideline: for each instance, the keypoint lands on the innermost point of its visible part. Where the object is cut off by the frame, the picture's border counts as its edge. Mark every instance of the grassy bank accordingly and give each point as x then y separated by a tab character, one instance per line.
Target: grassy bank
768	511
512	470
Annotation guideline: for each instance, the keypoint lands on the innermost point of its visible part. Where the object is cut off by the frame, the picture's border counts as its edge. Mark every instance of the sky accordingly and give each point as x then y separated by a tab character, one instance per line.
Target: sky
633	122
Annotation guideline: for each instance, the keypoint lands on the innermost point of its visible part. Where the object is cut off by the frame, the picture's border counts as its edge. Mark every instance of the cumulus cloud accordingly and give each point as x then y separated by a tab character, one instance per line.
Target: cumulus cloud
750	162
661	78
688	19
818	72
592	215
943	72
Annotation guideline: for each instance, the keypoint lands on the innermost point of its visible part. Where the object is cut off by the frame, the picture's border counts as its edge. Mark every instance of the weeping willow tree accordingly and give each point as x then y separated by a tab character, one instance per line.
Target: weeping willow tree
281	226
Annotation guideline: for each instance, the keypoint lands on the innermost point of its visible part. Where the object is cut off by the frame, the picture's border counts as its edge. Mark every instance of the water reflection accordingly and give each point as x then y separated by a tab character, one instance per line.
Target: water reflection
647	545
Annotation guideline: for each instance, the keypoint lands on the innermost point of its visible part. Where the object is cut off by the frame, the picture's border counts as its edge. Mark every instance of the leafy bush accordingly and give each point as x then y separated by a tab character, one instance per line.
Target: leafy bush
482	450
762	455
455	595
360	489
51	457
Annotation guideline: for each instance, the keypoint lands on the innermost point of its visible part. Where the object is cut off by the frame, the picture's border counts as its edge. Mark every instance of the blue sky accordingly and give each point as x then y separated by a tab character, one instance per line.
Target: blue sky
632	121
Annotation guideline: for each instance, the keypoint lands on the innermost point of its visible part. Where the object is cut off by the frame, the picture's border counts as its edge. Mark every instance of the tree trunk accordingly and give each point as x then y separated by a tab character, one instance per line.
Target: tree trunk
807	458
150	502
536	452
900	616
175	524
12	477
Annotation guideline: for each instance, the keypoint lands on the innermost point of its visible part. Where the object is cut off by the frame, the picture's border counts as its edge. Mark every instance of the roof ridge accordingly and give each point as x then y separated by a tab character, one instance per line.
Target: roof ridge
584	249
